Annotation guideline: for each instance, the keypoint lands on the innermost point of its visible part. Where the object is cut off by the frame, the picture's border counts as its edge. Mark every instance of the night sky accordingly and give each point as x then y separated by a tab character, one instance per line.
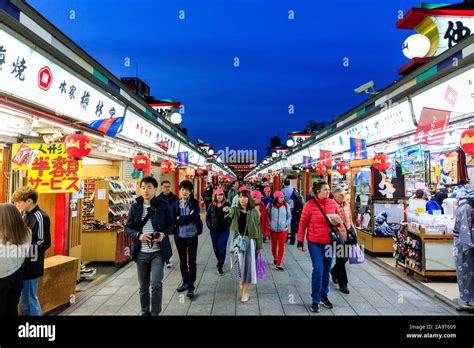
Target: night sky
282	61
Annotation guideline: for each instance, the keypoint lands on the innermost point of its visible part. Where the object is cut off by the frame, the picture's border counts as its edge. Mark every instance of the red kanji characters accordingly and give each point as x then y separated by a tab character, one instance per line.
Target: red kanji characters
40	164
72	167
58	167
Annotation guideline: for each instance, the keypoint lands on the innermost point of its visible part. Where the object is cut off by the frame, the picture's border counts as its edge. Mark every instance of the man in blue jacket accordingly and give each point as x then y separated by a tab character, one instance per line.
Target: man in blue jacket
149	223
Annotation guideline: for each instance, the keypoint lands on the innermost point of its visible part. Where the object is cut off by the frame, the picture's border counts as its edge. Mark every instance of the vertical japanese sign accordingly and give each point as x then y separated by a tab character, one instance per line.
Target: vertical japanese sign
358	149
325	157
432	126
52	171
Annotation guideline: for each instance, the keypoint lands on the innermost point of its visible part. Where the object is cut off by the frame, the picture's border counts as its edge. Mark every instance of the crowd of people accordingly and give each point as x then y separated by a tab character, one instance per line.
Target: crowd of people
248	215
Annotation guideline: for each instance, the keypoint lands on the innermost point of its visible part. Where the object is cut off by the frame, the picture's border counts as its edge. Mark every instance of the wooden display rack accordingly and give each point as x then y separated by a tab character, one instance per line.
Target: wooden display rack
427	240
101	245
374	244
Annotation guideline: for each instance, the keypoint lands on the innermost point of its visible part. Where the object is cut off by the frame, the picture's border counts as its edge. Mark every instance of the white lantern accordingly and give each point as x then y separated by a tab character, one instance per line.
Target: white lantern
416	46
274	154
211	152
176	118
290	143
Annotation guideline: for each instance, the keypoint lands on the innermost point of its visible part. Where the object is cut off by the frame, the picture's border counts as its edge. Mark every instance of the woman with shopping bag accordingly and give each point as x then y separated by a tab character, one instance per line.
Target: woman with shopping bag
262	209
247	240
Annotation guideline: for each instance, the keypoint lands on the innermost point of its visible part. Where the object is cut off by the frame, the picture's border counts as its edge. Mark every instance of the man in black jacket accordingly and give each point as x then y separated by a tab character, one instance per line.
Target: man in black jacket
188	227
208	194
25	199
149	223
171	198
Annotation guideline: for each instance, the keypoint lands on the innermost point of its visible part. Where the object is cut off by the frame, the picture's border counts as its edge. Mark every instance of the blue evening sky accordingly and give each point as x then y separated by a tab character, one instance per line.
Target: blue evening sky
282	62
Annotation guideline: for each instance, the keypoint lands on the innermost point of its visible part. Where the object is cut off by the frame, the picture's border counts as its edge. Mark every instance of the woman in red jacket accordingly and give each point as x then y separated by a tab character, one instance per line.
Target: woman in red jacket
262	209
315	228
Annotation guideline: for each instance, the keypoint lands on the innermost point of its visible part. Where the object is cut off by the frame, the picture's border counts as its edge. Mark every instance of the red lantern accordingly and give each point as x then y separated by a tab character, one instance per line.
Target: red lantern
77	145
343	168
200	172
467	141
320	169
140	162
382	162
166	167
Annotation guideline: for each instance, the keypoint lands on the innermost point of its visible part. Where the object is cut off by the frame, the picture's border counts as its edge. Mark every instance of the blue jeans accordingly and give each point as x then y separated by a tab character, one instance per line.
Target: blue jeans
219	243
29	299
150	265
321	259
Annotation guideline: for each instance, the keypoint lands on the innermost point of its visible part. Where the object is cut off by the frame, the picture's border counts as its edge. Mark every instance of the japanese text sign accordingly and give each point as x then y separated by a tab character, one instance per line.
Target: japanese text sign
52	171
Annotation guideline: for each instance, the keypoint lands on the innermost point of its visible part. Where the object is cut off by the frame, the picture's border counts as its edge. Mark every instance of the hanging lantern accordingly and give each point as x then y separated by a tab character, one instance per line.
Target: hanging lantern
320	169
343	168
382	162
77	145
199	172
467	141
190	171
166	167
140	162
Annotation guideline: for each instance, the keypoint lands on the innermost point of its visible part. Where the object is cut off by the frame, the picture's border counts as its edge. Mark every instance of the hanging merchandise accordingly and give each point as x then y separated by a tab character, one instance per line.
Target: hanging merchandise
385	187
199	172
190	171
140	162
449	168
382	161
411	159
77	145
392	171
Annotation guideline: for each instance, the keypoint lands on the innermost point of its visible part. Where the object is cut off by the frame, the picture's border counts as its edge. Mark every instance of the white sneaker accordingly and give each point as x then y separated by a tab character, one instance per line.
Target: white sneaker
169	265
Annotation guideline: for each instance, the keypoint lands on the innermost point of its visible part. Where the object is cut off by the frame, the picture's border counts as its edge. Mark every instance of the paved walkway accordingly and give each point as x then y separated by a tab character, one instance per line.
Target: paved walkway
374	291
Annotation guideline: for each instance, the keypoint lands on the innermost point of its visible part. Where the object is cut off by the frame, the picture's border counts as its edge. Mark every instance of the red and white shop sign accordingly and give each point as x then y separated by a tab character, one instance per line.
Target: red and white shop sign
432	126
45	78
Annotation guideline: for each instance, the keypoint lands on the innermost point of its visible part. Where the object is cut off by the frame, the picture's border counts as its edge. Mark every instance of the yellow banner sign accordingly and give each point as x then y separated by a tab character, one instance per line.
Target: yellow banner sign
50	170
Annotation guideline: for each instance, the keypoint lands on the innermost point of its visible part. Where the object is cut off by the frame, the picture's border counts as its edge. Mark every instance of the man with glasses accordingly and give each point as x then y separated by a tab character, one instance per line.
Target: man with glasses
171	198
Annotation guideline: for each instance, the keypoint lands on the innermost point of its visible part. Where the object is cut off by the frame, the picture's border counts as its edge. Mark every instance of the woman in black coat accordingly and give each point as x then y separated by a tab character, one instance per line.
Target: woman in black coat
219	227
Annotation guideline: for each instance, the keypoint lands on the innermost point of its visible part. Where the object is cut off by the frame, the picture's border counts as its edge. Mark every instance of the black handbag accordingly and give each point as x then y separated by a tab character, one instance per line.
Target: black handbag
335	234
351	235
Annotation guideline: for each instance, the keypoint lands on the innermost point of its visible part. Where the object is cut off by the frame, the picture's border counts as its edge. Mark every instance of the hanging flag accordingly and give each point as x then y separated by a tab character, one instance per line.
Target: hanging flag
109	126
164	145
432	126
307	161
325	157
183	159
358	149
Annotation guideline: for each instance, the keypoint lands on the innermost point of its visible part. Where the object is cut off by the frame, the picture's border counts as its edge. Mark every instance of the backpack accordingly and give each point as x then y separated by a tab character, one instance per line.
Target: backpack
298	201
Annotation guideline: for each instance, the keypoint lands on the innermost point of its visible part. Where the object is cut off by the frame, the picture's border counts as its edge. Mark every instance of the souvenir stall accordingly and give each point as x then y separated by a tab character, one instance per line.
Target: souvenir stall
376	201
